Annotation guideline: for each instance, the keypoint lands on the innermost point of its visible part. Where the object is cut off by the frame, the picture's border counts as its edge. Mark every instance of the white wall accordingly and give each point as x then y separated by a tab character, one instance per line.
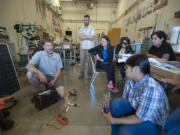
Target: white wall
74	27
14	11
101	15
101	11
166	18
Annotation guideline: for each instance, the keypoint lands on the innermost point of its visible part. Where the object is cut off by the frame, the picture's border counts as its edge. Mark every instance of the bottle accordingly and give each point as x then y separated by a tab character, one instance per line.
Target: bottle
70	40
107	102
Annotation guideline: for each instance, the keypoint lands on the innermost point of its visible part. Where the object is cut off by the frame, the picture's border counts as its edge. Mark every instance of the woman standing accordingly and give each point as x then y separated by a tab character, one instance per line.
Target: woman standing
104	56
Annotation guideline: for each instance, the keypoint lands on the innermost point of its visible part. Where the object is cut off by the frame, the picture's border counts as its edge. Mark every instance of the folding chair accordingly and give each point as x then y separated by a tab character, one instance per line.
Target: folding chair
95	72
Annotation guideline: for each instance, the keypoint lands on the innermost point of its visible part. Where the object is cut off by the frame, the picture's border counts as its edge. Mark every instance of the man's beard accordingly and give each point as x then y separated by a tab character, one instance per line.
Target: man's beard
50	51
86	24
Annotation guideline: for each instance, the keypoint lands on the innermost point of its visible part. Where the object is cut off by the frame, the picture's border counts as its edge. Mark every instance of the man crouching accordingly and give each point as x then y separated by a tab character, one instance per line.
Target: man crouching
49	69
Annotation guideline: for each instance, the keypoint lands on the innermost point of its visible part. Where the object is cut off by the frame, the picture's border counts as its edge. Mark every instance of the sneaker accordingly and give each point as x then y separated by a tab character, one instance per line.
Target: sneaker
110	85
114	90
81	76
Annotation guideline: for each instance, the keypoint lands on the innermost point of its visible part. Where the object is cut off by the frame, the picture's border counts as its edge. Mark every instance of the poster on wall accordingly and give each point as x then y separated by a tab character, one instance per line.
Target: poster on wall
55	20
159	4
149	8
40	8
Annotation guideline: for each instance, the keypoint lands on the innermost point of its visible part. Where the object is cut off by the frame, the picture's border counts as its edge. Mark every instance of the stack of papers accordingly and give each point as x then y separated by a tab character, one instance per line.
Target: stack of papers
154	61
165	65
123	57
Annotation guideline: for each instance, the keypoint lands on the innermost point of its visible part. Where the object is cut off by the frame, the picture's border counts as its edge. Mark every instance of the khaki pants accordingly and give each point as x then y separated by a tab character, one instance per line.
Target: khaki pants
59	82
84	56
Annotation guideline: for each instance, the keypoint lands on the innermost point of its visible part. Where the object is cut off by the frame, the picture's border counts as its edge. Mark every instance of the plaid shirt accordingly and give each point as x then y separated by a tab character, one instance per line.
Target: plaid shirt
148	99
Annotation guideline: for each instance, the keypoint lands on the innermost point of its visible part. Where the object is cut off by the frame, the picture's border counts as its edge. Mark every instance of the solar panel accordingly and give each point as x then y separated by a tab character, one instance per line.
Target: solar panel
9	83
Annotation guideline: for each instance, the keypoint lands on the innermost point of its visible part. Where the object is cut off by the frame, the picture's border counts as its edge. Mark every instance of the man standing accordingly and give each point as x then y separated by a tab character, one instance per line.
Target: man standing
49	69
86	35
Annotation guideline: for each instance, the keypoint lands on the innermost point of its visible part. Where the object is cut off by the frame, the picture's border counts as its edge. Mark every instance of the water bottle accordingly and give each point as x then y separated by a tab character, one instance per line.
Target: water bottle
70	40
107	102
137	47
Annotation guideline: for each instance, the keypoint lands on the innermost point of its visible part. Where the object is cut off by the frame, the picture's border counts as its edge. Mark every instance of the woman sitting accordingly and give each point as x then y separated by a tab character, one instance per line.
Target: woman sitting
160	47
123	48
104	56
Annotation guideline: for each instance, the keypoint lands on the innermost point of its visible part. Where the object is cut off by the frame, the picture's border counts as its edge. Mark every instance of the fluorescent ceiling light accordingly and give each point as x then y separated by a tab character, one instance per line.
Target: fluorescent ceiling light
66	0
55	3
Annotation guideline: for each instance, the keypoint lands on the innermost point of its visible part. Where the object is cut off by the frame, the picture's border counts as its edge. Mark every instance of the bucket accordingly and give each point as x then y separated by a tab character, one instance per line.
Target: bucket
137	47
23	60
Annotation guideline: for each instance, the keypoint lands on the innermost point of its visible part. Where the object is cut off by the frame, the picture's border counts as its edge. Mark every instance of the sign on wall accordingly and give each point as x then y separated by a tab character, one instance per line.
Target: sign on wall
151	7
159	4
40	8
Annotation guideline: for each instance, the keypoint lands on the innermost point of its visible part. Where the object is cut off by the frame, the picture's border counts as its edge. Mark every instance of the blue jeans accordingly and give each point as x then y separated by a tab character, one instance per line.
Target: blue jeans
174	131
121	107
172	125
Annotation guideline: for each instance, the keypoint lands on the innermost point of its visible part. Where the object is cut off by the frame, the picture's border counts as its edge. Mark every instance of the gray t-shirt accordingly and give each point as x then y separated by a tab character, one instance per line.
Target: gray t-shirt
47	63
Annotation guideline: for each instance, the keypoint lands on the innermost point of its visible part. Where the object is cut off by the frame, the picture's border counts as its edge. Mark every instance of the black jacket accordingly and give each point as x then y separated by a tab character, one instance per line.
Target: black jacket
128	49
99	50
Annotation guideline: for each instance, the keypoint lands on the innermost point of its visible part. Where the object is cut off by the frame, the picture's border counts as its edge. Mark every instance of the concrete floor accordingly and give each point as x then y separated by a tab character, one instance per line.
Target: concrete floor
86	119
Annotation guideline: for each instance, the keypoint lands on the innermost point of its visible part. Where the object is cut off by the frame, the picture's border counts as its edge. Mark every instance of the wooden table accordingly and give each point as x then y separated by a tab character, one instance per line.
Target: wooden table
160	72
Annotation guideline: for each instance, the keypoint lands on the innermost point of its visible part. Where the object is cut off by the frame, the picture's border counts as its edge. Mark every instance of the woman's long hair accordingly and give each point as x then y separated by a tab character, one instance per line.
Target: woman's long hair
126	39
108	41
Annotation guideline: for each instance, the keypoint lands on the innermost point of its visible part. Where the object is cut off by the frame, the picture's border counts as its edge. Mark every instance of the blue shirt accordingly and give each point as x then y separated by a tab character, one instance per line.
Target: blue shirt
105	55
148	99
47	63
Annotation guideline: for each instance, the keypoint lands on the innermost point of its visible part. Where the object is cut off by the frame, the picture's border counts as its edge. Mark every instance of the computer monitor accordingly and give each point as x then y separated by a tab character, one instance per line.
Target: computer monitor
68	33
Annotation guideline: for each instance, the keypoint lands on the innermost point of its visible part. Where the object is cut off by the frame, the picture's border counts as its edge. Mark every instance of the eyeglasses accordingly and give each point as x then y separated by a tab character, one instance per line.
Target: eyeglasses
124	43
